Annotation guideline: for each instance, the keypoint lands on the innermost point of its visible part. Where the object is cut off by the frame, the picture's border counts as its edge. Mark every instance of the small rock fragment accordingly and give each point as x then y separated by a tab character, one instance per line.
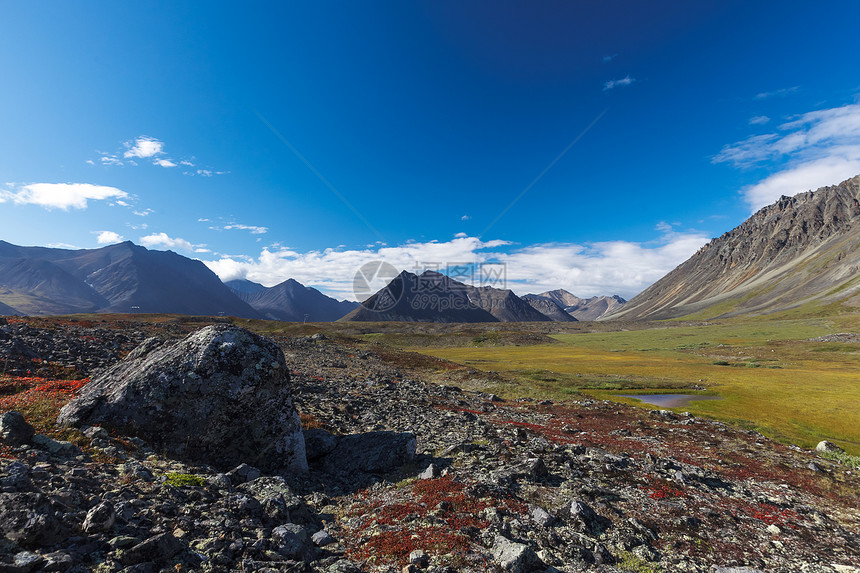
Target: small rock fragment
322	538
514	557
419	558
99	518
431	472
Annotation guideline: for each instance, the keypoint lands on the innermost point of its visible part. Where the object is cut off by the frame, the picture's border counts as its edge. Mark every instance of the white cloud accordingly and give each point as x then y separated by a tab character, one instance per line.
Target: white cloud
255	230
612	84
616	267
63	196
460	235
143	147
816	149
777	93
207	172
759	120
143	212
108	238
108	159
163	240
465	218
807	176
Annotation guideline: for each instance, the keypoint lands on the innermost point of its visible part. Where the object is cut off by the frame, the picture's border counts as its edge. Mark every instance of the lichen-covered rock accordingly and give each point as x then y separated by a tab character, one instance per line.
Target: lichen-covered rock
220	396
515	557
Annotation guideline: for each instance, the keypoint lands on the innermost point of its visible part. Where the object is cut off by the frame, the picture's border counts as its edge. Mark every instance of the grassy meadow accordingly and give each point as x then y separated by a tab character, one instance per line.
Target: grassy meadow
769	375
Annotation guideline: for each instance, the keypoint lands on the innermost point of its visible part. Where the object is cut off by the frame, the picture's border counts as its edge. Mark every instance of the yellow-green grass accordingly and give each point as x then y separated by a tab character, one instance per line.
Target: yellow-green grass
769	375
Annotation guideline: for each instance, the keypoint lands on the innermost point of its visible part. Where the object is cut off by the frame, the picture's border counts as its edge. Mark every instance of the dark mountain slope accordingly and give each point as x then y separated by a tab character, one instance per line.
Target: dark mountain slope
504	305
34	286
291	301
244	288
800	250
431	297
116	278
548	307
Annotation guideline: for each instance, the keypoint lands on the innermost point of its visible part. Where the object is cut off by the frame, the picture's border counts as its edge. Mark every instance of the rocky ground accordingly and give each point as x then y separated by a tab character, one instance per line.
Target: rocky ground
491	485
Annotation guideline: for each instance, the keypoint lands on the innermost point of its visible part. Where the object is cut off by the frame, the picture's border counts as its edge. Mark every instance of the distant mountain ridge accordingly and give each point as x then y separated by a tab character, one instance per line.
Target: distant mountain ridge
592	308
799	250
434	297
290	301
118	278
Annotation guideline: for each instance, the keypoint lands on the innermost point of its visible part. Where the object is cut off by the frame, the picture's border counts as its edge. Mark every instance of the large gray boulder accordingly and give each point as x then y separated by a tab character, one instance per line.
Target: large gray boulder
219	396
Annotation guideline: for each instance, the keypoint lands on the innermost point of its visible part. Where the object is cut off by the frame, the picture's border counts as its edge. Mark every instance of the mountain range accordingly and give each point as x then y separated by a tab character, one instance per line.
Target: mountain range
127	278
118	278
591	308
434	297
799	251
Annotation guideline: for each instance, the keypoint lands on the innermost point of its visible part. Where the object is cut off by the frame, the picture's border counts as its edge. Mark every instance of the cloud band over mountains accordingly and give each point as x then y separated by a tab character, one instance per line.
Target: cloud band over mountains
592	269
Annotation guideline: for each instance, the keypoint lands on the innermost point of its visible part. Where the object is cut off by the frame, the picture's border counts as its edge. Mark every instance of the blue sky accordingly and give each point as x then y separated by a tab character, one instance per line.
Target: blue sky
587	146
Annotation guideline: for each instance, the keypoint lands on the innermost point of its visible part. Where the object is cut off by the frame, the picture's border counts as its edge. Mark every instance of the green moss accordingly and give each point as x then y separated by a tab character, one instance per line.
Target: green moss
179	480
633	564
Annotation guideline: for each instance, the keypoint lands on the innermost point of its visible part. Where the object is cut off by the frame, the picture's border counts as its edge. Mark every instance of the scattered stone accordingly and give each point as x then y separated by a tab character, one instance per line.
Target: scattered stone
431	472
514	557
582	512
610	478
243	473
96	432
322	538
28	561
419	558
57	561
825	446
158	549
99	518
221	396
14	430
30	519
292	541
541	516
56	447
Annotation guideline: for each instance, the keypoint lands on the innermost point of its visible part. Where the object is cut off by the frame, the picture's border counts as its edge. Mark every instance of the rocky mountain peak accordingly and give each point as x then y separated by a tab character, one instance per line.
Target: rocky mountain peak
788	253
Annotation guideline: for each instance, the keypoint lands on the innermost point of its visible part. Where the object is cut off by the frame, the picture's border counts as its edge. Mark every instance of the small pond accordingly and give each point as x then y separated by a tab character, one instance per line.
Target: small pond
669	400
